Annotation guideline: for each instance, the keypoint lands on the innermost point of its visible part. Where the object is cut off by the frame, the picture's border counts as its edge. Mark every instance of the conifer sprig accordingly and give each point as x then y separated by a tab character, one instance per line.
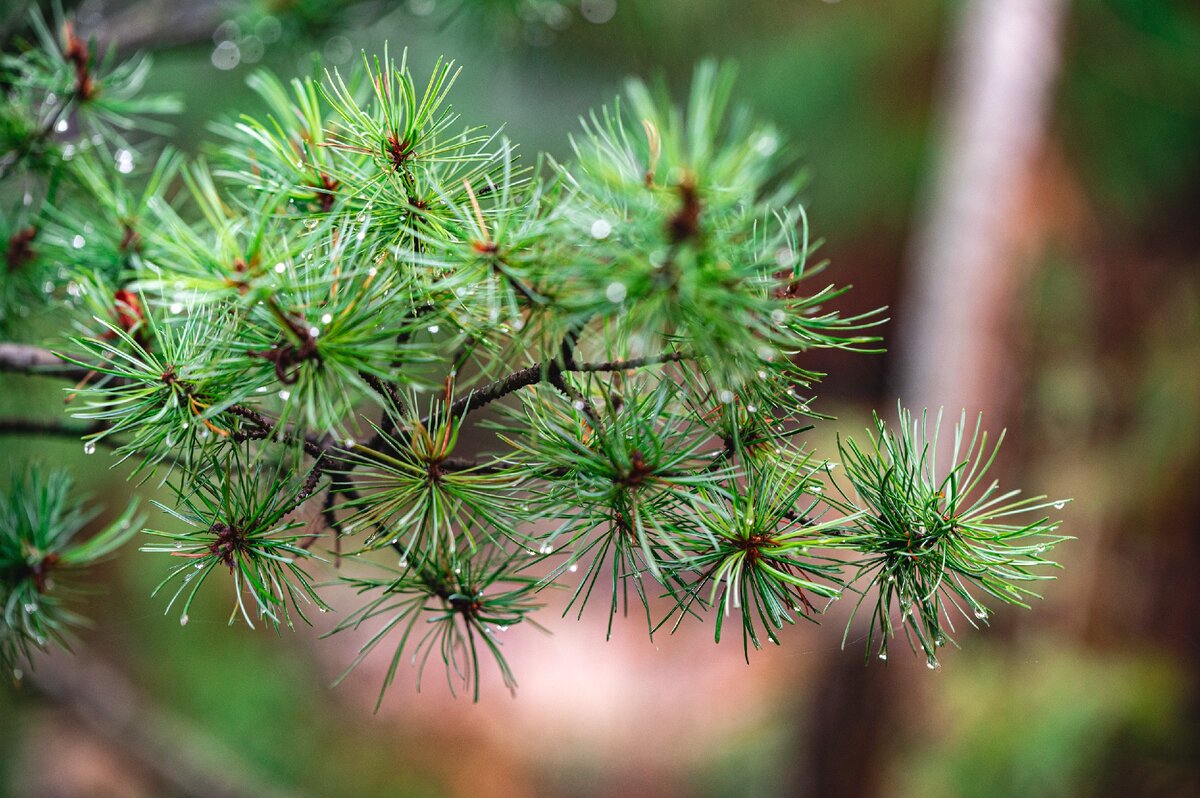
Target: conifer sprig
236	517
455	612
360	284
935	541
41	517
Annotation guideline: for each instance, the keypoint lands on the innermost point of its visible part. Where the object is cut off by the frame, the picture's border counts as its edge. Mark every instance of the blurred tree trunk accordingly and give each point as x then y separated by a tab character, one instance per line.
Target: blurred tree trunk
957	312
964	278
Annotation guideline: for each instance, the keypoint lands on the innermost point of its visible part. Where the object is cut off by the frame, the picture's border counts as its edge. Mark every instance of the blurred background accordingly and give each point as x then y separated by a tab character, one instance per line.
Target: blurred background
1018	180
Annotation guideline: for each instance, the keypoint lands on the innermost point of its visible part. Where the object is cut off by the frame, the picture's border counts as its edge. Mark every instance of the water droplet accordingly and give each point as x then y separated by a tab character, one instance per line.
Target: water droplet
280	268
883	655
62	125
349	443
601	229
371	272
433	329
891	578
183	619
939	641
458	569
546	548
598	12
616	292
89	447
725	396
285	395
578	404
176	307
778	316
124	161
766	144
328	317
78	241
762	375
816	488
1059	505
403	562
502	627
573	568
751	409
981	613
199	565
31	607
18	674
932	663
179	545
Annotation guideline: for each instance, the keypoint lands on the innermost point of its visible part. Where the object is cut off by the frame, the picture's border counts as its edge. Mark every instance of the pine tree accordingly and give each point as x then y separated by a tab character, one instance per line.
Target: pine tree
320	311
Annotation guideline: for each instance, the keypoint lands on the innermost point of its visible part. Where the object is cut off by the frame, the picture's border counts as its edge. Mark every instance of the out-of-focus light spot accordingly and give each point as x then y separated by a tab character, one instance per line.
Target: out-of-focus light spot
226	55
557	16
338	50
598	11
252	49
268	29
227	31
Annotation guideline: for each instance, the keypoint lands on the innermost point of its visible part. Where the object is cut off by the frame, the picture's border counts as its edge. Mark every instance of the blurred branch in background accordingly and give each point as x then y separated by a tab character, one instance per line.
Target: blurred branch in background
156	24
179	755
962	281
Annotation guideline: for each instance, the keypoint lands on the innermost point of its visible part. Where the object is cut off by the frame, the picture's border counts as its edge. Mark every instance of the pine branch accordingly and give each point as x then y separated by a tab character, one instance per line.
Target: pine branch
549	372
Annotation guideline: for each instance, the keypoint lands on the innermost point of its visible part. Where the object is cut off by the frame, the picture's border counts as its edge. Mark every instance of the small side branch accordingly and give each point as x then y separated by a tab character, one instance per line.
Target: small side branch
635	363
539	371
498	390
